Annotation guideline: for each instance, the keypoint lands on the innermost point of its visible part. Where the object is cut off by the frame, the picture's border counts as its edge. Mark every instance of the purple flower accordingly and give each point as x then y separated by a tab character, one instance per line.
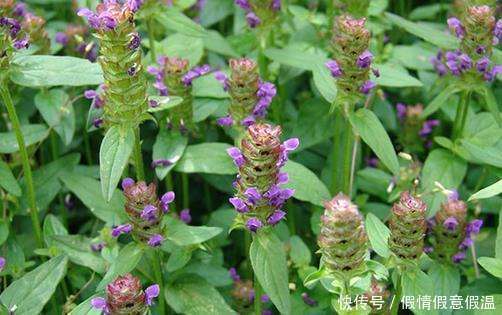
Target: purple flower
474	227
161	87
427	127
195	73
90	94
22	43
401	111
453	66
98	122
244	4
234	275
497	31
333	66
61	38
165	200
480	49
308	300
276	217
237	156
121	229
450	223
134	5
466	243
185	216
453	195
248	121
367	87
267	312
135	41
225	121
150	293
253	195
149	213
2	263
91	17
97	247
266	89
19	9
99	303
223	79
456	27
252	19
254	224
482	64
371	162
291	144
276	5
264	298
458	257
282	178
364	60
465	62
428	249
161	163
127	182
239	204
155	240
154	71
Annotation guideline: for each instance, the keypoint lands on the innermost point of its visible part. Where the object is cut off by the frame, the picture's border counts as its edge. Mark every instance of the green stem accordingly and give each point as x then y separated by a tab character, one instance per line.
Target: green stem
353	165
461	116
394	308
138	157
151	39
186	192
157	270
35	221
347	159
257	296
170	187
87	148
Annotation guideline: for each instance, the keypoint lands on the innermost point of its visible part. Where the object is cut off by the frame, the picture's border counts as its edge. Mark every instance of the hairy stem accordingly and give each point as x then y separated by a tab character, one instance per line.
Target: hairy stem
138	157
157	270
35	221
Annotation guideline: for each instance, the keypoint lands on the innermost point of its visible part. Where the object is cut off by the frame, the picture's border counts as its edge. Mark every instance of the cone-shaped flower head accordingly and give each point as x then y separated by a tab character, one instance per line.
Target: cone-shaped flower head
120	59
250	96
407	226
259	198
260	13
173	77
351	58
342	240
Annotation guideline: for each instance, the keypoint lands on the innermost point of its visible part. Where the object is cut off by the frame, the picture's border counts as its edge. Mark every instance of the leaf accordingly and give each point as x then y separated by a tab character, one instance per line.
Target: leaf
491	155
378	235
300	253
210	157
439	100
293	57
57	111
215	42
32	291
114	154
32	134
4	231
307	186
164	102
8	181
445	168
174	20
88	190
179	257
52	226
425	32
413	57
182	46
416	283
208	86
192	295
269	265
367	125
491	103
78	249
395	76
85	308
169	145
128	258
487	192
183	235
324	82
446	279
492	265
43	71
216	275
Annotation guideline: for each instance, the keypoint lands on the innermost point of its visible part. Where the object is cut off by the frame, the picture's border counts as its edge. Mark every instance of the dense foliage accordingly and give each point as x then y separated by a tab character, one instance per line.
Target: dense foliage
250	157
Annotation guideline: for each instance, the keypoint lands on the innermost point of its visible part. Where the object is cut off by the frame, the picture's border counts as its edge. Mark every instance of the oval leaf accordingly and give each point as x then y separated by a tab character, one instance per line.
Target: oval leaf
169	145
209	158
32	134
307	186
126	261
8	181
378	235
488	192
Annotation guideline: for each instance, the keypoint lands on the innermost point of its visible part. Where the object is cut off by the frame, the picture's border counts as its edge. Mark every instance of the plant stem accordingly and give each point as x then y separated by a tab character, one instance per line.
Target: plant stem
461	116
151	39
157	270
35	221
257	296
474	259
186	192
347	160
394	309
353	164
87	147
138	157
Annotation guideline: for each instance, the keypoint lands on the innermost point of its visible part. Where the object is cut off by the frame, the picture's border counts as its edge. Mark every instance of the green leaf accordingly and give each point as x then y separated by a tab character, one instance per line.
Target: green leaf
498	241
413	57
52	226
183	235
169	145
324	82
439	100
208	157
269	265
182	46
491	103
446	279
8	181
208	86
87	189
172	19
492	265
395	76
425	32
378	235
487	192
57	111
192	295
42	71
300	253
32	291
4	231
367	125
78	249
491	155
128	258
417	283
428	11
215	42
307	186
445	168
32	134
179	257
85	308
114	154
293	57
164	102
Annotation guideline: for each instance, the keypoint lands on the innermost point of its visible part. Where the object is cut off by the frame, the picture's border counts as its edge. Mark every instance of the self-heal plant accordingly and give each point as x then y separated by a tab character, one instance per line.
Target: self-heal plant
260	13
75	41
259	198
415	131
125	296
